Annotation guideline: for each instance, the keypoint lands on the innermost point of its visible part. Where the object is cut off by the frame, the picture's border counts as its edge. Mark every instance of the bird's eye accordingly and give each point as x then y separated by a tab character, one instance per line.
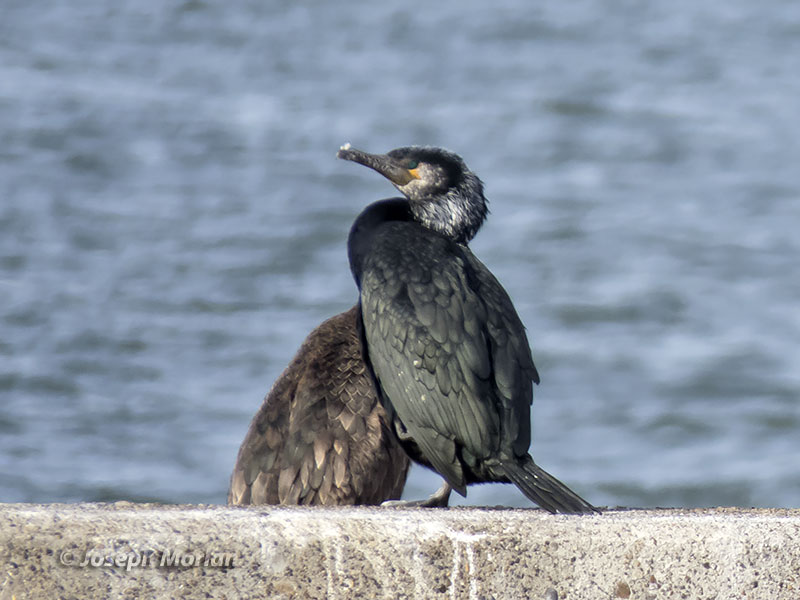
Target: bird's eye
412	164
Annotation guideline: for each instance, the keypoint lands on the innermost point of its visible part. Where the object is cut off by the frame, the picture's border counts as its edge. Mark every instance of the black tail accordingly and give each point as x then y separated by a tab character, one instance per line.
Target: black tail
544	489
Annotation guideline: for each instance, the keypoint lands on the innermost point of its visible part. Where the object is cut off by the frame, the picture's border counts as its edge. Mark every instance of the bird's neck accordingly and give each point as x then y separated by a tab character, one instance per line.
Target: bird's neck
454	214
366	226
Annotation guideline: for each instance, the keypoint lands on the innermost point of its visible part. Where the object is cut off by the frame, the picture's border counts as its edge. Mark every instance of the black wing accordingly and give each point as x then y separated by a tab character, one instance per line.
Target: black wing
514	371
448	350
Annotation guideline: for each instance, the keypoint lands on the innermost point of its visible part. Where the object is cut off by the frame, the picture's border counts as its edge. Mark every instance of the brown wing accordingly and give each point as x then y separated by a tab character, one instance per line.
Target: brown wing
321	437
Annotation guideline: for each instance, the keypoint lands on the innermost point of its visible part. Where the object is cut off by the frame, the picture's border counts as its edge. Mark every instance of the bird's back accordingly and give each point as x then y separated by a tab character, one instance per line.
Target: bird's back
448	350
321	436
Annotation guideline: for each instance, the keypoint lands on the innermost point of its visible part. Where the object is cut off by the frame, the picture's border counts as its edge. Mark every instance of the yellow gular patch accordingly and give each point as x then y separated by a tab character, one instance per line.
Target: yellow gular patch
415	173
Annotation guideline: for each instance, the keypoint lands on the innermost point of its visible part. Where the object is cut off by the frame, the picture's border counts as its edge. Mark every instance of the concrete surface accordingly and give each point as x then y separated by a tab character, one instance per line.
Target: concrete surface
273	552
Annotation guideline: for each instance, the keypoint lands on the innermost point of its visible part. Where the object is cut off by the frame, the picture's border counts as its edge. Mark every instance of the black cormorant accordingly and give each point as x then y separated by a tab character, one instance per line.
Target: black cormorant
446	347
321	436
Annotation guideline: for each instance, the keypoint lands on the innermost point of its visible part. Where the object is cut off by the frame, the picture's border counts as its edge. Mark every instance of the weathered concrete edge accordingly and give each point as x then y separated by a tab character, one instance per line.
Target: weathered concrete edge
277	552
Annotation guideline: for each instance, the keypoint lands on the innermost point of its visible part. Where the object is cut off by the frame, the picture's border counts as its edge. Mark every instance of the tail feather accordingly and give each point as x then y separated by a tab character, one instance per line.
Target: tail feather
544	489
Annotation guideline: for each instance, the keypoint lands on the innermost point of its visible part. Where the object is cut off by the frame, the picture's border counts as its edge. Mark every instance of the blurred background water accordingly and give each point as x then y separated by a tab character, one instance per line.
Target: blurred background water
173	224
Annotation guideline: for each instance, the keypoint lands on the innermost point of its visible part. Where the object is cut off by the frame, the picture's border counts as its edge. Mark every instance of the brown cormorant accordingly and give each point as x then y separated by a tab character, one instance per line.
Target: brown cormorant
446	347
321	436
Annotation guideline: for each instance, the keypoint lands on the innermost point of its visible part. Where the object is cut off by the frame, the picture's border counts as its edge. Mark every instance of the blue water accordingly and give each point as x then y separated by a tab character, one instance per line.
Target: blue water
173	224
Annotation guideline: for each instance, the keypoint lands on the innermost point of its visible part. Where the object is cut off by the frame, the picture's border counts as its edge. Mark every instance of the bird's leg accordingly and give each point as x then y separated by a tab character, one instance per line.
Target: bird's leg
439	498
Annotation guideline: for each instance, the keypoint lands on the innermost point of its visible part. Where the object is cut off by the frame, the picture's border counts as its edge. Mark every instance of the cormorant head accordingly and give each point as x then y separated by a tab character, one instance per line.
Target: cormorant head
443	193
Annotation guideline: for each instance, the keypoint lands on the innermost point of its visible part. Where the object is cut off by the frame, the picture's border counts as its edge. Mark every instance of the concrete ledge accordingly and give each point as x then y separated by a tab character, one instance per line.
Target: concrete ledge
273	552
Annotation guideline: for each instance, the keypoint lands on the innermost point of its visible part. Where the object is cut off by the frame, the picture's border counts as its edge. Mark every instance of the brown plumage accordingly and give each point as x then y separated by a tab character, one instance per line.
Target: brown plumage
321	436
